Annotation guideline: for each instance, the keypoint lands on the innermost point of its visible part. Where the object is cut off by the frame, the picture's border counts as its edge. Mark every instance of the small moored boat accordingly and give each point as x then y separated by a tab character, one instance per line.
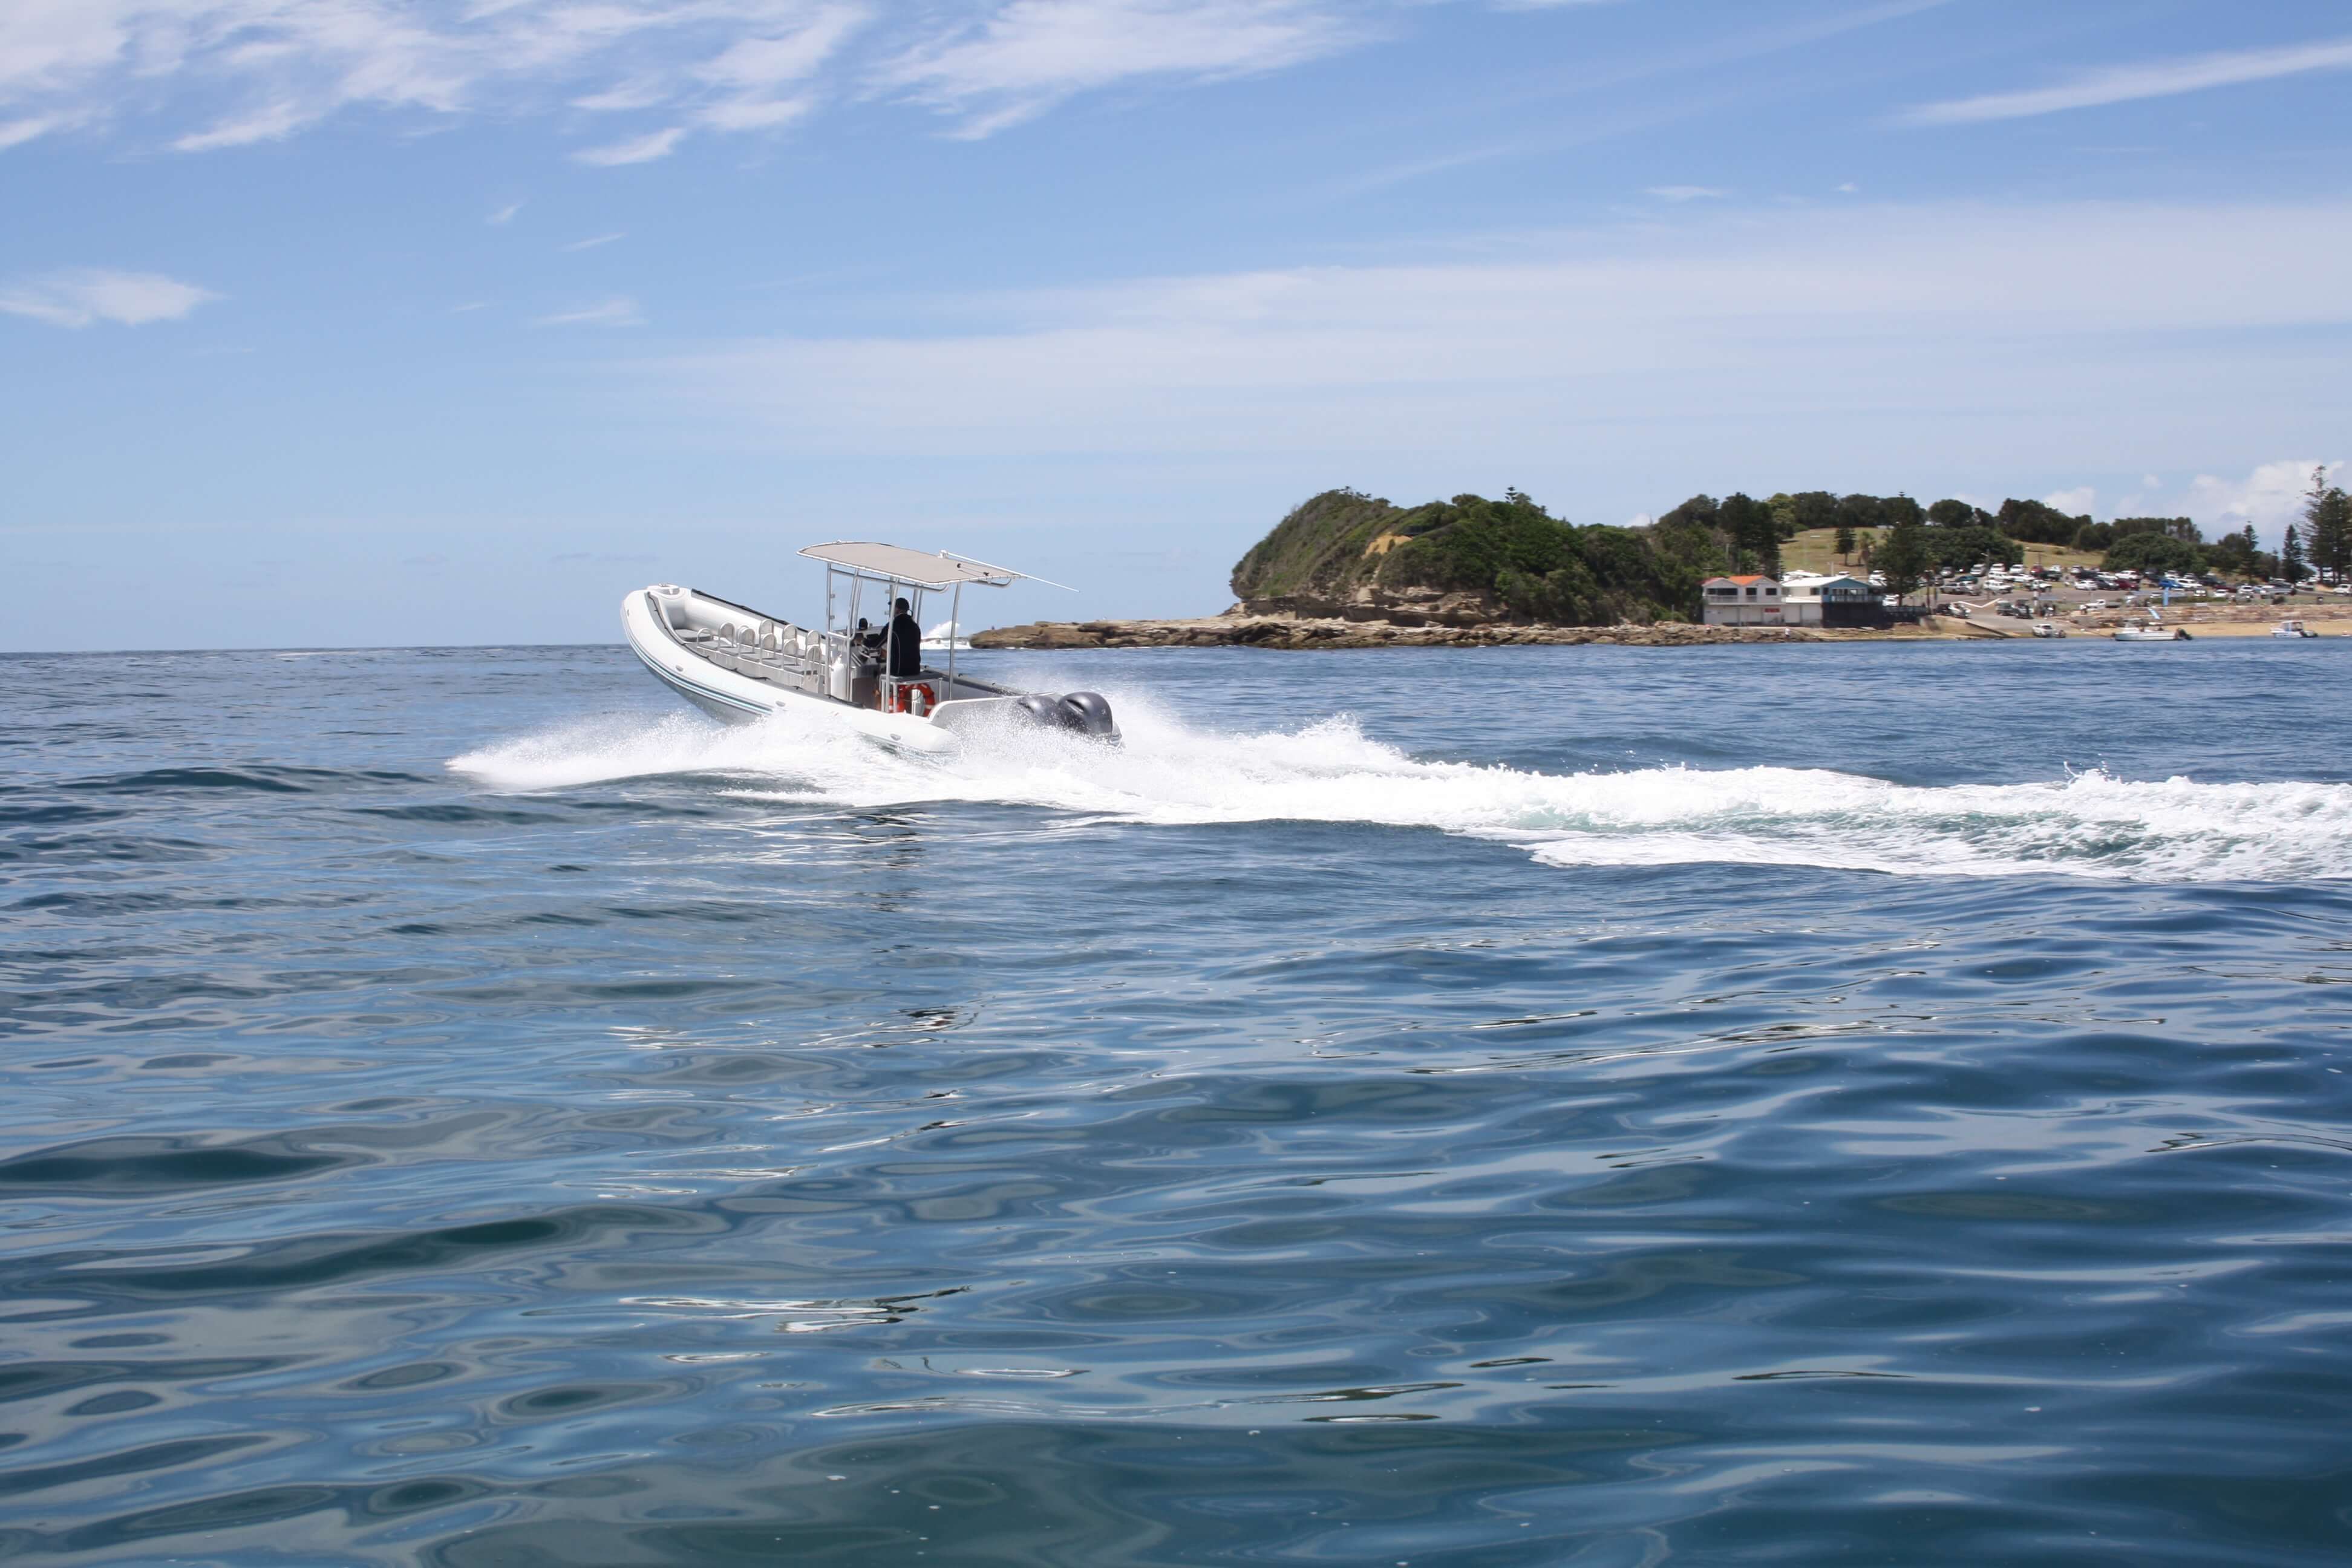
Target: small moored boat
742	665
2292	628
2154	631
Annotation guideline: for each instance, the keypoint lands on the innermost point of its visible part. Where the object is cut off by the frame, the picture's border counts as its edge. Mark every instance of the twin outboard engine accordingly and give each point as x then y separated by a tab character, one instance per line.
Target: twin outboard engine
1080	712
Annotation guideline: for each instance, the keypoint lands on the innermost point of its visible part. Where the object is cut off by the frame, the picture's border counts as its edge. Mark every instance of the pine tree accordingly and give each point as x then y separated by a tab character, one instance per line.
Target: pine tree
2290	566
2327	528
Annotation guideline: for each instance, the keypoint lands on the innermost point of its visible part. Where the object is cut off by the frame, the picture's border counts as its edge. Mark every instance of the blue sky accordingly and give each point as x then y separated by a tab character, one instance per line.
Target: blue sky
390	322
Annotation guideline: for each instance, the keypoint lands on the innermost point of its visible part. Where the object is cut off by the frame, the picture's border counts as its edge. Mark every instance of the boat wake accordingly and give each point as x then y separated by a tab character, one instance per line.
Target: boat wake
2087	825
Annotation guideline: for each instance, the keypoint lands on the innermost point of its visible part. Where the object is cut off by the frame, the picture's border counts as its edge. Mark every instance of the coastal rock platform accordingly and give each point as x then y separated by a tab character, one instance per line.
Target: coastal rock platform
1243	627
1303	631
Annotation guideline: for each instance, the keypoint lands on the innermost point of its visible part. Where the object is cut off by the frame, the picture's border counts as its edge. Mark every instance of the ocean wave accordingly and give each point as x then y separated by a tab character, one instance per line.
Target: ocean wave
2088	824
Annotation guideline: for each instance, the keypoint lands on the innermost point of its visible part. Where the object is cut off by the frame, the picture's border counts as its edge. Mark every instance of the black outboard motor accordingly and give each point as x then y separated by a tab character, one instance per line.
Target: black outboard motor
1044	711
1089	713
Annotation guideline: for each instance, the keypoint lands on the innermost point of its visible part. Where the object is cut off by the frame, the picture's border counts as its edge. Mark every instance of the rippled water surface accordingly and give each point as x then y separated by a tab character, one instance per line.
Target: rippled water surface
1576	1105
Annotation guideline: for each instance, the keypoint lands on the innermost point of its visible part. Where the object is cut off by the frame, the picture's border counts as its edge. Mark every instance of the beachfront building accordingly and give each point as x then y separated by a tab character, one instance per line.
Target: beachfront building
1747	601
1815	599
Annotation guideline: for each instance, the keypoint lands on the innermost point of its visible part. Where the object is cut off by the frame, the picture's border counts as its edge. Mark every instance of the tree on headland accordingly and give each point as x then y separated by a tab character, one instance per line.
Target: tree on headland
1961	548
2327	528
1844	541
2291	561
2038	522
2153	552
2241	554
1810	509
1903	558
1754	533
1953	514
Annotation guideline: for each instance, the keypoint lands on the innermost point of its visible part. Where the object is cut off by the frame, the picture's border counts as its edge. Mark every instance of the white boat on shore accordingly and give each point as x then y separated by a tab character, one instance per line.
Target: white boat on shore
742	665
2292	628
2154	631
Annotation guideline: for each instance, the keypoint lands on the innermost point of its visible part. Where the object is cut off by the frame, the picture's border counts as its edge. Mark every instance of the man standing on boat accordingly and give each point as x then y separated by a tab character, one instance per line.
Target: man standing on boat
904	643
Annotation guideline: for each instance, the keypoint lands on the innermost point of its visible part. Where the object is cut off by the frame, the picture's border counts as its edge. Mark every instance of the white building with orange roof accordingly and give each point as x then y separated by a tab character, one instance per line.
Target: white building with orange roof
1743	601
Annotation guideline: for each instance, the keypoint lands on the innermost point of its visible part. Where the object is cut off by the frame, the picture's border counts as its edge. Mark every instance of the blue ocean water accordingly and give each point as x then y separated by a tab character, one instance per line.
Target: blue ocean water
1577	1106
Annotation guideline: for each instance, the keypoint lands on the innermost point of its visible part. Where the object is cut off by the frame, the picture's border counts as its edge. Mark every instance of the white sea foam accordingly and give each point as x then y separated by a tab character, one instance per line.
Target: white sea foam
2085	824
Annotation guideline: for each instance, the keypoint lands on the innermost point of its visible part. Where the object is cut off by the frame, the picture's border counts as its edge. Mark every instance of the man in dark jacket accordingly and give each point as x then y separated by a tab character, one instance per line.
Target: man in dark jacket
906	643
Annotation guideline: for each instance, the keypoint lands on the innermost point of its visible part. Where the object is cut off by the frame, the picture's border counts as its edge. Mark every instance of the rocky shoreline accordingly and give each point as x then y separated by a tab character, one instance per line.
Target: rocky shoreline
1307	632
1244	627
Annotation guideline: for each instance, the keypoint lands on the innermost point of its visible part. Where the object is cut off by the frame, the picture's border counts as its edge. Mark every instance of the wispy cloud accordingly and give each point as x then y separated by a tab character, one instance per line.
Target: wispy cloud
282	65
269	122
1030	55
620	311
2155	78
595	240
636	149
2089	305
16	132
504	215
232	73
1687	193
82	296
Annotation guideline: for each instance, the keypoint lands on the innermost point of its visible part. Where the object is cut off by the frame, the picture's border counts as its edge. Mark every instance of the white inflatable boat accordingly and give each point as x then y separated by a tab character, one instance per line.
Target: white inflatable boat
740	665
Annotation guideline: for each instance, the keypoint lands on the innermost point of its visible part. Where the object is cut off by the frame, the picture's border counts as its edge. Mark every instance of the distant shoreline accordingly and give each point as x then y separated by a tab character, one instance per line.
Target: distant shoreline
1307	633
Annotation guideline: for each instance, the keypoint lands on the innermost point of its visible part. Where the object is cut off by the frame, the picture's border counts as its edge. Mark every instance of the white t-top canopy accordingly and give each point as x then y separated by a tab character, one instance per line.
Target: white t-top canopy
916	568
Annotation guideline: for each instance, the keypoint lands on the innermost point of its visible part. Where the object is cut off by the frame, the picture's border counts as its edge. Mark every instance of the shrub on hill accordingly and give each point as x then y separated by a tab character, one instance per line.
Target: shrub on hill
1510	552
2154	552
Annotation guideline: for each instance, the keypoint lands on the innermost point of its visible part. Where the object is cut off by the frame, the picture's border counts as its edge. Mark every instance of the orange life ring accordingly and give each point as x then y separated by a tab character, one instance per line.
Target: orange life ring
916	698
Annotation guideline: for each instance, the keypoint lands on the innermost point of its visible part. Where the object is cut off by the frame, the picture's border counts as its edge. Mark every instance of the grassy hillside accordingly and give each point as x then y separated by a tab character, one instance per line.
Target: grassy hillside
1815	550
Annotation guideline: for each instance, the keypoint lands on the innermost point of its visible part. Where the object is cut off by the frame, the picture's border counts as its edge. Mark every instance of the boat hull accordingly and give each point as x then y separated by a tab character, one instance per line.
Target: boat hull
776	669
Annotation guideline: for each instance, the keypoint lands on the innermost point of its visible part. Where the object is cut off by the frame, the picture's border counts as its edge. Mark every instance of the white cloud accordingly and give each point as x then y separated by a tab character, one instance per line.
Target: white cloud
267	123
594	241
620	311
232	73
16	132
2073	502
1687	193
2155	78
1027	55
88	295
754	113
2271	497
636	149
769	60
1915	318
504	215
235	72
